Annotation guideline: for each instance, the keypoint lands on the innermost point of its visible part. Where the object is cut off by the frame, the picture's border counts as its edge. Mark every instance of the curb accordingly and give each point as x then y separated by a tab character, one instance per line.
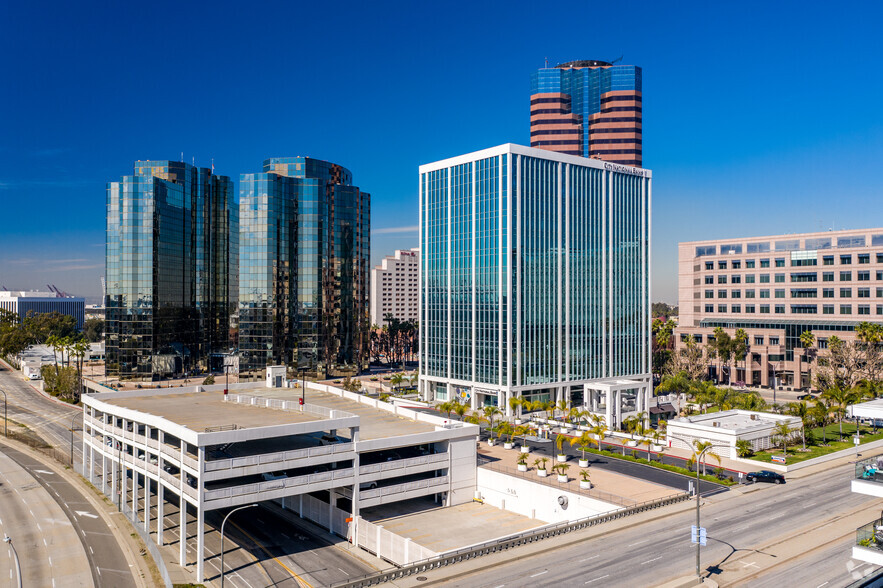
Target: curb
133	558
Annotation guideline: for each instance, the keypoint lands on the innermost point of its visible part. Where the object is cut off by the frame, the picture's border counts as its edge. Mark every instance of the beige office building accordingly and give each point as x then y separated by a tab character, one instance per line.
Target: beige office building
394	287
775	288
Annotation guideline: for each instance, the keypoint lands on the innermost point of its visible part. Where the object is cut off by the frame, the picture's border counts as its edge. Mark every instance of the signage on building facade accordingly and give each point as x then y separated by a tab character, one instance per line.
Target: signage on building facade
624	169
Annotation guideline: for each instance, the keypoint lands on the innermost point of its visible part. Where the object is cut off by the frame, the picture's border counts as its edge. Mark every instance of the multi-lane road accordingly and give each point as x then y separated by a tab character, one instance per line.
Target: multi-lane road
759	536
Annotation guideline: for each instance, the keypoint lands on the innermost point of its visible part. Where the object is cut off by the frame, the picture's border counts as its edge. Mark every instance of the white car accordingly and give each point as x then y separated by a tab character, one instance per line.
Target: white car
34	376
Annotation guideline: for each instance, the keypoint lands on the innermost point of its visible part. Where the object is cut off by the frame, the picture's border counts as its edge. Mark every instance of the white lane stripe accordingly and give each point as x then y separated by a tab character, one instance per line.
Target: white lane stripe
596	579
540	574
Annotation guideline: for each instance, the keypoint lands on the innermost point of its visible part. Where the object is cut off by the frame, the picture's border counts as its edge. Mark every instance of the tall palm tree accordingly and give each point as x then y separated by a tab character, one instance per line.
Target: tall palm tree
801	409
783	431
490	413
515	403
54	342
702	445
807	339
840	398
582	443
598	428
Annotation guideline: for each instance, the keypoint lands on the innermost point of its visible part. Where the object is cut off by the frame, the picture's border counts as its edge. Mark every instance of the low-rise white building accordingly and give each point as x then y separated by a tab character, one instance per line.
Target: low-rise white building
868	480
258	443
724	428
23	303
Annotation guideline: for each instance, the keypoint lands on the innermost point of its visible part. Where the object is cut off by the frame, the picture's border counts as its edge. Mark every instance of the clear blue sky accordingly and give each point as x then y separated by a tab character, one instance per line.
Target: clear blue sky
759	117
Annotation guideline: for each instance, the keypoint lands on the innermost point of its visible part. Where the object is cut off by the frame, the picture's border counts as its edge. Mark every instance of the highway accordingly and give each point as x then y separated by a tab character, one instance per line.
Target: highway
748	530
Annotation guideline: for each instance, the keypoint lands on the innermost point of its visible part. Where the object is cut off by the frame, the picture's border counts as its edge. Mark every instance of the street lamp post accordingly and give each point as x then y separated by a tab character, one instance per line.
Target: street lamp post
303	390
698	458
5	414
8	540
224	522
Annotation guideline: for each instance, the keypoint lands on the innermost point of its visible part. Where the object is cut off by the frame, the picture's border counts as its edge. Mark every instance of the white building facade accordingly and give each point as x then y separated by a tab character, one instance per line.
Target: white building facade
535	281
23	303
394	287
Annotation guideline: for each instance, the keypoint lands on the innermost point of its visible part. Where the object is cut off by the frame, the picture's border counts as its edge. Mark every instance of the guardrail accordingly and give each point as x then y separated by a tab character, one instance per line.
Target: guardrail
870	469
398	464
405	487
279	456
505	543
287	405
277	484
870	535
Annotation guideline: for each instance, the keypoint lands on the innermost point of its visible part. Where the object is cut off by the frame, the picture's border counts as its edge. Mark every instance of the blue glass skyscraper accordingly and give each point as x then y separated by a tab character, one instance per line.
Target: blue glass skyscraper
305	248
171	266
534	280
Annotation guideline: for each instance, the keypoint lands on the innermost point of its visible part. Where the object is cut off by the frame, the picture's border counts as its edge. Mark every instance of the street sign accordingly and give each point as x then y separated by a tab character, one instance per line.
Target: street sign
856	440
779	458
699	537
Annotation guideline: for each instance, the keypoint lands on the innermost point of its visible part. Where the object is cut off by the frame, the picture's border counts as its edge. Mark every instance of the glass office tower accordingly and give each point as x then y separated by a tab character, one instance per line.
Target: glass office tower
534	277
171	267
305	248
589	108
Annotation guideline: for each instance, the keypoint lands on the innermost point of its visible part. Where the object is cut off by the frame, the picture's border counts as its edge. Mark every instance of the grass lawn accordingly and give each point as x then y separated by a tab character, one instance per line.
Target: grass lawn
832	433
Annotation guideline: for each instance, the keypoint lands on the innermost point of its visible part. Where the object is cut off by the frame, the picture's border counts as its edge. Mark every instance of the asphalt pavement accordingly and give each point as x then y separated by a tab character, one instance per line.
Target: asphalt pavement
745	528
107	562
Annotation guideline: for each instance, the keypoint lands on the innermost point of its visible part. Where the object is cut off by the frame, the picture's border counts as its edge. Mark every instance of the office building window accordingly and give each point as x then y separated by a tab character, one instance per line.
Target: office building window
697	338
758	340
780	262
722	279
709	308
749	293
749	308
764	263
749	264
774	340
709	265
735	294
722	265
828	260
736	264
879	292
709	279
804	277
804	309
721	293
864	258
845	259
864	309
828	309
845	276
880	258
780	309
827	292
780	293
880	309
736	308
864	292
780	278
764	309
749	278
845	292
722	308
709	293
764	278
735	279
864	276
880	274
845	309
764	293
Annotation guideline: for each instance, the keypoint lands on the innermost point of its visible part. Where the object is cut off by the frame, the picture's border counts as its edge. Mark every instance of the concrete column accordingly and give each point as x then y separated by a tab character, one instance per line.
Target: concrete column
200	545
103	469
182	530
147	505
608	409
135	495
764	369
473	399
91	461
618	399
332	500
113	480
160	524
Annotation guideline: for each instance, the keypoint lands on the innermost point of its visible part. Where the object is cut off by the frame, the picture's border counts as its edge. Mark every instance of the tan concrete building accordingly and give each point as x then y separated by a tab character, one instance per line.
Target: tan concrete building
394	286
775	288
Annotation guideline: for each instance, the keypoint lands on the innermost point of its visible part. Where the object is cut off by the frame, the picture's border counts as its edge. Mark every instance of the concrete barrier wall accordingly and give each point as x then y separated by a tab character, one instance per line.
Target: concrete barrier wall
536	501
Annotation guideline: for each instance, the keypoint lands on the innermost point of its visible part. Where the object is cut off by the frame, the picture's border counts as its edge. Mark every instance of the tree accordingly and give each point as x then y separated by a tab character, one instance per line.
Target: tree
490	412
662	342
700	447
807	340
209	380
460	409
582	443
598	428
559	443
821	412
783	433
93	329
515	404
740	349
743	448
801	409
842	367
396	380
447	407
689	359
840	398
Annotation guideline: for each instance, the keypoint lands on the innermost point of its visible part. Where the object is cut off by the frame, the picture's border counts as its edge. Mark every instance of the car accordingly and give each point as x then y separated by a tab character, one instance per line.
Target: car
191	481
170	469
329	440
274	476
34	376
805	397
765	476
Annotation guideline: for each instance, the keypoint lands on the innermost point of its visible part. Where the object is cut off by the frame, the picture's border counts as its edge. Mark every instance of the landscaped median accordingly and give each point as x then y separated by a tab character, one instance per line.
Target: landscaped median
663	466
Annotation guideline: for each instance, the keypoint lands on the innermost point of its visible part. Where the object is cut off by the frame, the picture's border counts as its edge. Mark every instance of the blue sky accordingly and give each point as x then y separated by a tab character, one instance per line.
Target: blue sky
758	117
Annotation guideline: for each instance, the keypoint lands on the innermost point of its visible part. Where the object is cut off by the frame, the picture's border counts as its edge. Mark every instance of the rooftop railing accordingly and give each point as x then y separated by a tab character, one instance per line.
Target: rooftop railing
870	469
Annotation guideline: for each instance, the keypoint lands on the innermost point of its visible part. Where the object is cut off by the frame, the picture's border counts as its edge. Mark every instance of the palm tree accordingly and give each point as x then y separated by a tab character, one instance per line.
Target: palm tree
574	414
561	468
743	448
869	389
807	339
801	409
490	412
821	410
515	403
460	409
396	380
840	398
522	431
582	443
783	432
415	377
54	342
597	428
505	430
539	463
447	407
563	406
700	447
80	349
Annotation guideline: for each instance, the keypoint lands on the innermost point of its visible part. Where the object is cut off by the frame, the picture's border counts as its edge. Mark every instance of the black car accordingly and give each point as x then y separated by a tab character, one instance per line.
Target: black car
765	476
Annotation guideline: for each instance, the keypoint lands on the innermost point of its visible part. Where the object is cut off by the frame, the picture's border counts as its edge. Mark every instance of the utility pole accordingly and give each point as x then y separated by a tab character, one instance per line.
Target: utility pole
8	540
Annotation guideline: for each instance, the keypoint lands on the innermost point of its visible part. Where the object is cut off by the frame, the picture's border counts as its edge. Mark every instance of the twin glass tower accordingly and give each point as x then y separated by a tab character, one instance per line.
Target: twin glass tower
535	277
181	266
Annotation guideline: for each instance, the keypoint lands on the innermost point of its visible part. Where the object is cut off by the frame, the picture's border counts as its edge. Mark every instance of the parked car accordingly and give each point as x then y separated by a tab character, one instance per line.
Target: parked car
330	440
765	476
806	397
274	476
191	481
153	459
170	469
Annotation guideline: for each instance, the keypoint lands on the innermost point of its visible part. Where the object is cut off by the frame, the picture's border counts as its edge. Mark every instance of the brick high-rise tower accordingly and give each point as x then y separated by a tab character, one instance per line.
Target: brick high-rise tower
588	108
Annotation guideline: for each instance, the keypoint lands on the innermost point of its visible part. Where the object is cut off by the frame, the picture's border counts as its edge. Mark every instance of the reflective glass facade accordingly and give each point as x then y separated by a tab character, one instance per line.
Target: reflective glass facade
534	270
171	267
304	254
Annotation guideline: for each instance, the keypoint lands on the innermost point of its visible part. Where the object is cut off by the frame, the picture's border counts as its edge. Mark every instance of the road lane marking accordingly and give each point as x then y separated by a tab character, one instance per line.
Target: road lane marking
539	574
638	543
343	570
596	579
588	558
651	560
820	585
